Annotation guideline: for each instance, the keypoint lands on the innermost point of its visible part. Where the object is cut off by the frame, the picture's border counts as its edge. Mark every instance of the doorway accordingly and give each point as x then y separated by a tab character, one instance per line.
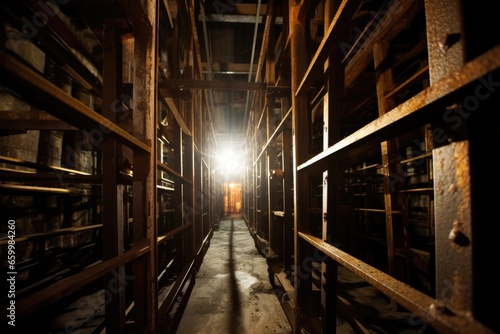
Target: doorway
232	198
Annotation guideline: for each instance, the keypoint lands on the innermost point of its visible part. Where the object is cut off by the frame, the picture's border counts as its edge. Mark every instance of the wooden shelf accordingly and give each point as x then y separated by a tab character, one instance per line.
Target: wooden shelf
419	157
376	210
54	100
51	234
48	168
17	188
417	190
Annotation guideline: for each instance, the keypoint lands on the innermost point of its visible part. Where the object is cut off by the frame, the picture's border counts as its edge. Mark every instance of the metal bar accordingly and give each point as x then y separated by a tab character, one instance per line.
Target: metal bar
420	108
423	306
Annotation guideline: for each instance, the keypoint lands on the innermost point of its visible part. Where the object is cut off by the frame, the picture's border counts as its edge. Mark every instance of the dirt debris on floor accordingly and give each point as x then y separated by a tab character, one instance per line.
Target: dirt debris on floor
232	293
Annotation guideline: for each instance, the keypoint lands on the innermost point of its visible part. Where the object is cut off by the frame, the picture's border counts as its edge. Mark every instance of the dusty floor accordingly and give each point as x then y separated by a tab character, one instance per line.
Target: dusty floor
232	294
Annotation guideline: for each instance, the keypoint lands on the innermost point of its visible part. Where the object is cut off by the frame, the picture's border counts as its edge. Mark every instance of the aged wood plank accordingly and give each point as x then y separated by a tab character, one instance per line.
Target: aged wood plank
54	100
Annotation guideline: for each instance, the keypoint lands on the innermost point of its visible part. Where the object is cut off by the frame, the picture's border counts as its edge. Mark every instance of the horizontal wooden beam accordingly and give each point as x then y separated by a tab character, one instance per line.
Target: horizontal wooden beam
167	236
68	286
229	18
51	234
17	188
166	168
35	165
56	177
47	96
285	123
173	108
212	84
228	68
233	7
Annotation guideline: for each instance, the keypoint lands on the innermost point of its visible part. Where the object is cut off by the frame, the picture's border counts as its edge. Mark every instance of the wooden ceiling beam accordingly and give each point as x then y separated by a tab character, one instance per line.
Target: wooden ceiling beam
230	18
212	84
228	68
221	7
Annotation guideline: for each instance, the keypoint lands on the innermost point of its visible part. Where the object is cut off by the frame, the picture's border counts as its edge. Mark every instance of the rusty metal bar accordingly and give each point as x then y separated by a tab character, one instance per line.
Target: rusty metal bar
451	161
420	108
423	306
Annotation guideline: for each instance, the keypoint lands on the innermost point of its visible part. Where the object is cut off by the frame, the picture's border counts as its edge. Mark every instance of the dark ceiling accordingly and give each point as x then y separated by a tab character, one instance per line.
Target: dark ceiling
230	36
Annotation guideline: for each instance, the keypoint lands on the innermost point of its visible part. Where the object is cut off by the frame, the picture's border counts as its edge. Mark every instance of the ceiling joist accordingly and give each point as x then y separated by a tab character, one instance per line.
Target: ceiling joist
212	84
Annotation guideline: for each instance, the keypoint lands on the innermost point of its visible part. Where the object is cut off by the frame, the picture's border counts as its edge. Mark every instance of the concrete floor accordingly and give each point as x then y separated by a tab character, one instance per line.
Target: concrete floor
232	293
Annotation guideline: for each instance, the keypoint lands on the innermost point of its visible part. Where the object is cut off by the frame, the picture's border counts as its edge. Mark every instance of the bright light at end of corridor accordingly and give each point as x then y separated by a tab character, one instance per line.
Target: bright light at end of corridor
230	161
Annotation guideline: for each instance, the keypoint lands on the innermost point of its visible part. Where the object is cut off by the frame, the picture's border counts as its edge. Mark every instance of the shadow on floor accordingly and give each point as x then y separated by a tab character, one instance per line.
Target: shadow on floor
234	319
232	293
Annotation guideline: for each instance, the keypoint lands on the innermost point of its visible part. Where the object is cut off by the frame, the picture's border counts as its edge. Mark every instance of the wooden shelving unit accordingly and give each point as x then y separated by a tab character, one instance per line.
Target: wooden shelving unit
119	198
88	239
376	124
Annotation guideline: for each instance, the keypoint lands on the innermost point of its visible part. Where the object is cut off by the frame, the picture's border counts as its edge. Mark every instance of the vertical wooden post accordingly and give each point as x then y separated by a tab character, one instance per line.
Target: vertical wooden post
113	222
288	220
194	210
144	183
384	84
302	274
334	88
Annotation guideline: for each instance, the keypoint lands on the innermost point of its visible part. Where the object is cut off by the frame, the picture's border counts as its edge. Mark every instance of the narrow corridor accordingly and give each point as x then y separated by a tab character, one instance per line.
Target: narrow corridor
232	293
